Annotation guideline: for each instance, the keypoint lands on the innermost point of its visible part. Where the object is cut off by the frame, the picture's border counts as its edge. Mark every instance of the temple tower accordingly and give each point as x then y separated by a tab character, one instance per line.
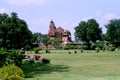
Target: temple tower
52	26
60	33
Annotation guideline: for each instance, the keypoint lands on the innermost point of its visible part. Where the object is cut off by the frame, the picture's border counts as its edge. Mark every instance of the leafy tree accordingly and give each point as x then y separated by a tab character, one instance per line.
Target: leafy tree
46	41
88	32
4	19
14	32
105	37
56	42
38	37
113	30
93	31
80	31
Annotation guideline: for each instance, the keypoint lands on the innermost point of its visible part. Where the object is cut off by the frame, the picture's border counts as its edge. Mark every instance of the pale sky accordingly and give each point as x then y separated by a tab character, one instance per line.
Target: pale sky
64	13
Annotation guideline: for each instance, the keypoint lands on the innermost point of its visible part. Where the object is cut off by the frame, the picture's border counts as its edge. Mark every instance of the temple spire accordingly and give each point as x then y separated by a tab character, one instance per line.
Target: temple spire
52	25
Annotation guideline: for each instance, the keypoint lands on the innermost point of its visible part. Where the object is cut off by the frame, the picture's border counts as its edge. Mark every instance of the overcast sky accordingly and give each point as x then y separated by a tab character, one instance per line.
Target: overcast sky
65	13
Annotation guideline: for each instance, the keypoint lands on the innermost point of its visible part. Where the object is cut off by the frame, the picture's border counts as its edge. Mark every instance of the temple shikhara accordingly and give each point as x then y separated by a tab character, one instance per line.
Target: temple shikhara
60	33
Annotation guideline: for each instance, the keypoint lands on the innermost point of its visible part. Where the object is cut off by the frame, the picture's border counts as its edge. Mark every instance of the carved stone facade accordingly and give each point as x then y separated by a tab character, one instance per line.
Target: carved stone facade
63	35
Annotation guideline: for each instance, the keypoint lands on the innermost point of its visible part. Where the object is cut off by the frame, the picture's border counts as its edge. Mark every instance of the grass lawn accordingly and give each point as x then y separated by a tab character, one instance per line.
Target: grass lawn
88	65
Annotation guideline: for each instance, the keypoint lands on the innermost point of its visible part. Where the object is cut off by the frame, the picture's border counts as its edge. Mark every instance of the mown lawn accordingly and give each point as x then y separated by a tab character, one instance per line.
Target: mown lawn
88	65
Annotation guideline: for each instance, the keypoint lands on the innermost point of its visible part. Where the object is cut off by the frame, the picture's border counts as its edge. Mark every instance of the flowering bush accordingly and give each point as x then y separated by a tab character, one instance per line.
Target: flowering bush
11	72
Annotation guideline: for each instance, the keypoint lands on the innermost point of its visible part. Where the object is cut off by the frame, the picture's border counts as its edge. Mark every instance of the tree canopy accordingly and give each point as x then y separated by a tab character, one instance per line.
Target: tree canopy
46	41
14	32
88	31
55	42
37	38
113	30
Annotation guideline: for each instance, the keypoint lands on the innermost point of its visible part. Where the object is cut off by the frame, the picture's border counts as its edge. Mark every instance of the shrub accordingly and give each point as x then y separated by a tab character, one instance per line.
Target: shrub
27	47
11	57
112	48
45	61
118	48
83	47
47	51
76	47
104	48
1	63
59	47
66	48
97	49
3	57
75	52
81	50
15	57
36	50
11	72
2	50
69	52
97	44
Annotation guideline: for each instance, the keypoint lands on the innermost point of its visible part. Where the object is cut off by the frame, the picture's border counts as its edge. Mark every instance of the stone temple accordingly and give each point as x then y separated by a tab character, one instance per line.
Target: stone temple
63	35
60	33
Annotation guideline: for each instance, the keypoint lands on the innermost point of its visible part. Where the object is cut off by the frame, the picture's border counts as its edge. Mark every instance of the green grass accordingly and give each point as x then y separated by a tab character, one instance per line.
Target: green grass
88	65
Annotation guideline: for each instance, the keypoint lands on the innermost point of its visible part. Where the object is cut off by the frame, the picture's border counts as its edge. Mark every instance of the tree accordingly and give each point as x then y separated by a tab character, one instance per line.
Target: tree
105	37
46	41
55	42
88	32
113	30
37	38
4	21
14	32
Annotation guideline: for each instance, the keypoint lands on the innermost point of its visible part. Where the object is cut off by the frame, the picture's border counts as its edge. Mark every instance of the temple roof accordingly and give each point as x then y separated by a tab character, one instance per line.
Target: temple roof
67	31
60	29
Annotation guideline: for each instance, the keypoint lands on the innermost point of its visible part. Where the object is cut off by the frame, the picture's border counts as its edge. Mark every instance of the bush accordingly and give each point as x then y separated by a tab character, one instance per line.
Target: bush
36	50
47	51
11	72
75	52
69	52
97	49
1	64
11	57
98	45
27	47
112	48
15	57
118	48
104	48
83	47
81	50
68	47
59	47
3	57
2	50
